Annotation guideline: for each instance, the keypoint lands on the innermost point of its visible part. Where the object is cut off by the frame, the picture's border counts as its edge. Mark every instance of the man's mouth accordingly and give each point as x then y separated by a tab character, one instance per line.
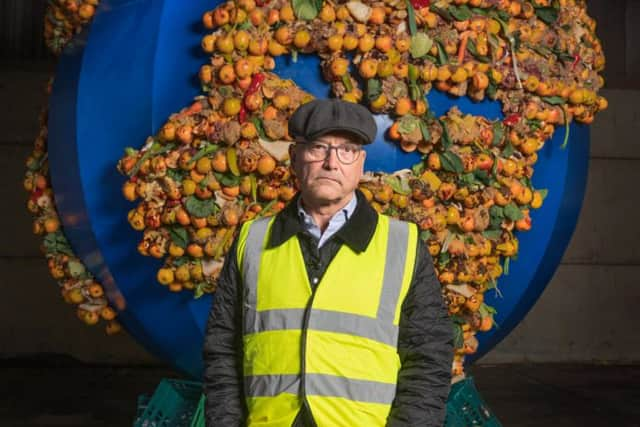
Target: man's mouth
328	179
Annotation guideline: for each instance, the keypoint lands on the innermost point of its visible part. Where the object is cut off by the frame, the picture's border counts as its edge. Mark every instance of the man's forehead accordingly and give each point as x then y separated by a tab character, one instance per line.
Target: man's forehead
338	138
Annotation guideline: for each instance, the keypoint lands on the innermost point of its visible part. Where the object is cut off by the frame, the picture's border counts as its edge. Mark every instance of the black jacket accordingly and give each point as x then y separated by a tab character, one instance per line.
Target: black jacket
425	343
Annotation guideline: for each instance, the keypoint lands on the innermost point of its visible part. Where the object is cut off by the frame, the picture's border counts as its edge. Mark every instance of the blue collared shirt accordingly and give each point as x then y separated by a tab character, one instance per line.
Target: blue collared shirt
335	223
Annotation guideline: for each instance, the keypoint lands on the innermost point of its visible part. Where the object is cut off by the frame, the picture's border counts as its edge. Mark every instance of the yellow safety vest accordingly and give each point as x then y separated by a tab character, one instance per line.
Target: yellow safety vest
335	347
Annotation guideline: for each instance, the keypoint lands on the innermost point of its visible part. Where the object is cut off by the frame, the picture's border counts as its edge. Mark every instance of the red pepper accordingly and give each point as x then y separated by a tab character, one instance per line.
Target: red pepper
419	4
261	3
576	59
512	119
35	194
254	86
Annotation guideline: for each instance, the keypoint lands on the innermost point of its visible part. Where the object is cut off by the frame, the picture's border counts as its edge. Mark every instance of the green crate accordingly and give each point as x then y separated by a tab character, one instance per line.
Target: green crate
173	404
465	407
198	417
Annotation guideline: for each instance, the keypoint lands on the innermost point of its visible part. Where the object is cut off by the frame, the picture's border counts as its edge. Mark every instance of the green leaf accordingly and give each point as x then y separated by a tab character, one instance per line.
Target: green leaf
200	208
305	9
446	139
458	339
543	193
482	176
374	89
443	57
496	214
492	89
460	13
508	150
76	269
228	180
513	212
486	310
498	133
346	81
548	15
254	187
181	260
451	162
468	179
411	14
492	234
567	127
56	243
471	47
260	128
204	151
418	168
421	43
554	100
442	12
479	11
443	259
505	266
154	150
176	174
400	186
534	124
408	123
425	235
179	236
426	135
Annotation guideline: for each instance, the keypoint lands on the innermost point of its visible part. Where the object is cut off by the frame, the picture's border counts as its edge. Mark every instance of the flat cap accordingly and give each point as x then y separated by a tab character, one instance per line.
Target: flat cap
322	116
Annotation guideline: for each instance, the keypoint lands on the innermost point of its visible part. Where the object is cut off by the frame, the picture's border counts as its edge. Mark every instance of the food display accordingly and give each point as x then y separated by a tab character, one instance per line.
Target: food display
224	159
65	19
77	285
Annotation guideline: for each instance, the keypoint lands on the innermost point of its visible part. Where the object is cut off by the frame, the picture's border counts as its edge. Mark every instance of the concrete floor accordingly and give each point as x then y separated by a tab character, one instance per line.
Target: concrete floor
48	391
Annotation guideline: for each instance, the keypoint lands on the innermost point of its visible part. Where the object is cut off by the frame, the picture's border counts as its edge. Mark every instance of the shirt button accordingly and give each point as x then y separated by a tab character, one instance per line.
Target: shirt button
315	280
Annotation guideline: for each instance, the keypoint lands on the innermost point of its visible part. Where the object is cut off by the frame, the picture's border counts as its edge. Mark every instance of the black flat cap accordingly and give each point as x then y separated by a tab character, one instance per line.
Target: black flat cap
322	116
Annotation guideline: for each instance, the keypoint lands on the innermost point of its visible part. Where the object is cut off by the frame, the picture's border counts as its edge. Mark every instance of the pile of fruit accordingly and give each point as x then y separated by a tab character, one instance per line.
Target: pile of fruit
223	160
77	285
65	19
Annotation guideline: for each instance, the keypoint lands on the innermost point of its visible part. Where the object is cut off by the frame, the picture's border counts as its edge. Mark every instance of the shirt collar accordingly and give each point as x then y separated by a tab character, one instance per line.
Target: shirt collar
355	233
347	211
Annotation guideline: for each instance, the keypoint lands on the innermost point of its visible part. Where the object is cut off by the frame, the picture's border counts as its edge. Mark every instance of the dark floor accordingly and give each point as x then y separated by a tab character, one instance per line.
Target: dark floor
48	391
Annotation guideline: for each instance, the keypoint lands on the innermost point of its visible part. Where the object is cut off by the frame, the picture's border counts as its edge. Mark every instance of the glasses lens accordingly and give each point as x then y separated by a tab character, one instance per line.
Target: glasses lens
315	151
347	153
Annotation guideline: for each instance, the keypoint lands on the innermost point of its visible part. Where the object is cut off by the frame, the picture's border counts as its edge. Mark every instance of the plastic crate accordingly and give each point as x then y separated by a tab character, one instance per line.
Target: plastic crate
173	404
198	417
465	407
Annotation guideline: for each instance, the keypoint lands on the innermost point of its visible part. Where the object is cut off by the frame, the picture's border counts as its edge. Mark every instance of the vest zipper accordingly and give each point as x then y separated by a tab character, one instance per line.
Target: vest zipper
303	363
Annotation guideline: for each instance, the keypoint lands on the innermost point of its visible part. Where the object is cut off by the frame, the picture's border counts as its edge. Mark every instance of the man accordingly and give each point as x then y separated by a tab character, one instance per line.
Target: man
328	314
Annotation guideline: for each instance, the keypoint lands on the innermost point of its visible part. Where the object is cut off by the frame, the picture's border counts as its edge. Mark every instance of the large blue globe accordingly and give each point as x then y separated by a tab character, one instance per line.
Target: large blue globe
119	82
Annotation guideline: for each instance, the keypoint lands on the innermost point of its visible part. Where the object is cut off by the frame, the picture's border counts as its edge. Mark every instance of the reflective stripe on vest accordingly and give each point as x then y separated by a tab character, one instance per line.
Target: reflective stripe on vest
353	329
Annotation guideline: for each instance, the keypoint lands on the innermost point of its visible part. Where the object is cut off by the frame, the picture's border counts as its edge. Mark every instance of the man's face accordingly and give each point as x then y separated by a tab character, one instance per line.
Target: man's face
326	181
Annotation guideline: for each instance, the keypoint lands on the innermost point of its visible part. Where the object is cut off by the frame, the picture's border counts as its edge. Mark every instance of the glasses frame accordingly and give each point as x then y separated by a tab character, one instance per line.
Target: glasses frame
306	145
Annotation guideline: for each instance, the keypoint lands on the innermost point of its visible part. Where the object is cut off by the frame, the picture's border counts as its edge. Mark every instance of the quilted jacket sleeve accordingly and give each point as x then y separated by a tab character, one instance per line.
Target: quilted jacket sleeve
222	354
425	347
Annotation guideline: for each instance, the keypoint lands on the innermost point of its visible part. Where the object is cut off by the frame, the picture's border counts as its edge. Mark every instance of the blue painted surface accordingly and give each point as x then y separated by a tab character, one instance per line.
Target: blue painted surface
135	66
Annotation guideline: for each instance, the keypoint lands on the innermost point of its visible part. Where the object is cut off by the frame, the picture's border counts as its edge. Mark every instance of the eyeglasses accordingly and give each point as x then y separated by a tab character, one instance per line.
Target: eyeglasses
318	151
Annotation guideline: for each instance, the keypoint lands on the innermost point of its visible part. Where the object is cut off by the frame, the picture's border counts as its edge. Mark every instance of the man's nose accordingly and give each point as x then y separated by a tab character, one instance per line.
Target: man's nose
331	161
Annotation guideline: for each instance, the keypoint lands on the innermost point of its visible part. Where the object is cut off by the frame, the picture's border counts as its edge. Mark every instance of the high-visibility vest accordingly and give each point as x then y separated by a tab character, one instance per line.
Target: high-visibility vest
336	346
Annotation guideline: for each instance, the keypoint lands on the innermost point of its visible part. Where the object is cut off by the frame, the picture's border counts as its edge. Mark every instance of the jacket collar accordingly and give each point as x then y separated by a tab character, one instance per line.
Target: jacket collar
355	233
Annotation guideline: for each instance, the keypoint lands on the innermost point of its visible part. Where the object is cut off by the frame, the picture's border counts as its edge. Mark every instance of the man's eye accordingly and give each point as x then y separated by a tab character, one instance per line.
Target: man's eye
349	148
317	147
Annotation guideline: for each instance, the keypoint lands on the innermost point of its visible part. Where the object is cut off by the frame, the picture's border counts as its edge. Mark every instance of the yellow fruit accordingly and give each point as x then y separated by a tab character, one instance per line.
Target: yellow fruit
165	276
